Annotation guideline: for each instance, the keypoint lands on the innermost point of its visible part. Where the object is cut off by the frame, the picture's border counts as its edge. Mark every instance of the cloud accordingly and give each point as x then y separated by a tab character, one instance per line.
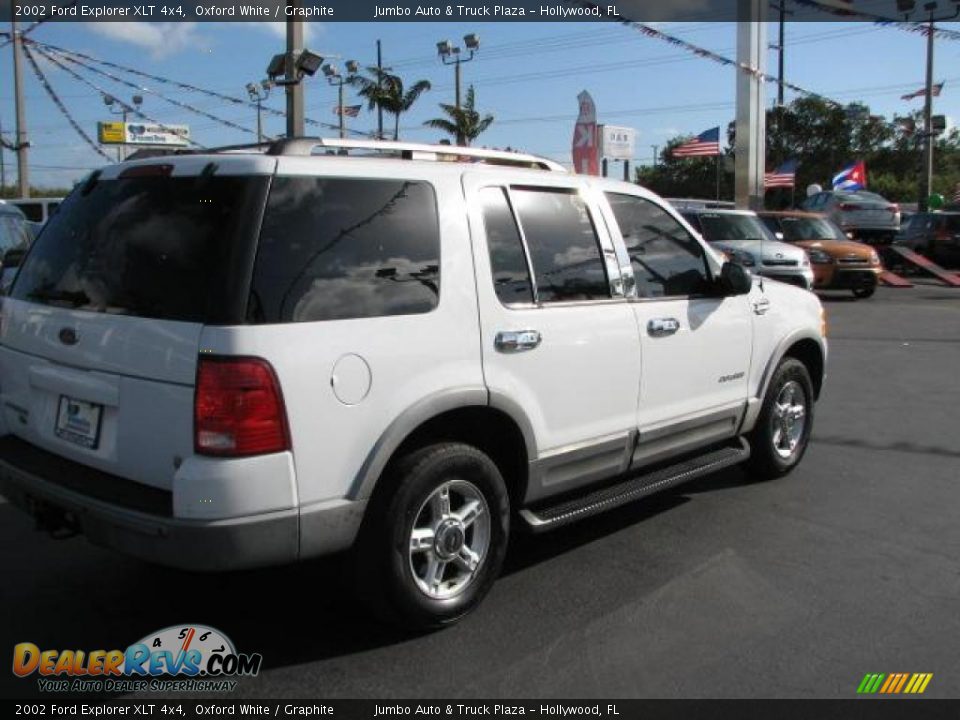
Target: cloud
279	29
160	39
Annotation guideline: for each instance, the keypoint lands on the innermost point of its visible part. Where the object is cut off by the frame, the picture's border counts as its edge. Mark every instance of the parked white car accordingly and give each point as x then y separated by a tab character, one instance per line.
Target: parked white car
747	241
248	358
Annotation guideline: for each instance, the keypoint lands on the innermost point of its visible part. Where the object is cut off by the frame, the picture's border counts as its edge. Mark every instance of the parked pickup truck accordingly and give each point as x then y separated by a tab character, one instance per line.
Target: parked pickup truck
257	356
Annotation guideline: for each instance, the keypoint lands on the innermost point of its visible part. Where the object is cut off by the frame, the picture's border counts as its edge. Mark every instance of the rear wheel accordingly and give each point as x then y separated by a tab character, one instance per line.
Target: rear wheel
432	546
779	439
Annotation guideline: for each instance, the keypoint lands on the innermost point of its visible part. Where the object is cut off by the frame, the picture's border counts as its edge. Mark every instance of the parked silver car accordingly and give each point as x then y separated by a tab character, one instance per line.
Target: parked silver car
747	241
869	217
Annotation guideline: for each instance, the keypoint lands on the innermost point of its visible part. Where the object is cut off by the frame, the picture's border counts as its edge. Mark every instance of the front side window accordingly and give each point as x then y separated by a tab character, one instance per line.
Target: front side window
563	245
508	261
667	261
338	248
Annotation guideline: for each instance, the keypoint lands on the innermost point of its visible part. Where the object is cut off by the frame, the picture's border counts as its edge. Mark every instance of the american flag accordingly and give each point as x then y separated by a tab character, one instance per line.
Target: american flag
922	92
348	110
705	144
783	176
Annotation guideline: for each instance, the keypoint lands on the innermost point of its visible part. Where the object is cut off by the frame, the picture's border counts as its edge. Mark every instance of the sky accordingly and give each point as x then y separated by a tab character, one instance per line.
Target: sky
527	75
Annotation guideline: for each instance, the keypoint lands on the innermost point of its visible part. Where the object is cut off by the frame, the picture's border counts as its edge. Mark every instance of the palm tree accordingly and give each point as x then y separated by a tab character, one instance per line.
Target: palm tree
385	91
464	123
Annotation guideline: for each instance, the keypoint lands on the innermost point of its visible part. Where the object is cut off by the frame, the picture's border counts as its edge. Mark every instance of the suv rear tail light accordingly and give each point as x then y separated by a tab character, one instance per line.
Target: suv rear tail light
238	408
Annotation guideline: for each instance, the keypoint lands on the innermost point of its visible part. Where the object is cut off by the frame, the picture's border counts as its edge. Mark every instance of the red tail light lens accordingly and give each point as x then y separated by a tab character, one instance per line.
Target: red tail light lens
849	206
238	408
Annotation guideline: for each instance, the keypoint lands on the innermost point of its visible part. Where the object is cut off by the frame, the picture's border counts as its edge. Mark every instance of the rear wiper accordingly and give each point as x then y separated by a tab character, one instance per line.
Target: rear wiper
74	298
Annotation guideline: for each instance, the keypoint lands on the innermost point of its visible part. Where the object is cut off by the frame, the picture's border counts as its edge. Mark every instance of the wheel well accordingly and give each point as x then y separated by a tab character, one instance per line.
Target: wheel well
489	430
809	353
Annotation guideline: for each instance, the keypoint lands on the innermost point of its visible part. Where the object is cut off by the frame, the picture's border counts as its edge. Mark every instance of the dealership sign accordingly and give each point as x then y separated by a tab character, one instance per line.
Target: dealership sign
137	133
617	143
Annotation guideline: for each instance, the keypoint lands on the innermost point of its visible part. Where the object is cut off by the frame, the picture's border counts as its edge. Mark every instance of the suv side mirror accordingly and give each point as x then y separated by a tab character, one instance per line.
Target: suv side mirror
735	279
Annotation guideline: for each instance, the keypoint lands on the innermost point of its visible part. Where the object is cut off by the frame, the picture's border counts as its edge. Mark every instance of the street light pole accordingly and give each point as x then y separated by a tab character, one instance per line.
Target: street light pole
23	172
451	54
258	93
294	90
926	174
110	102
332	73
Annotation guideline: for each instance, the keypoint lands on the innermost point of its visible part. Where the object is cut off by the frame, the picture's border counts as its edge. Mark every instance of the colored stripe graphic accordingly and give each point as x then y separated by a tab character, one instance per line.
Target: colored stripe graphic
894	683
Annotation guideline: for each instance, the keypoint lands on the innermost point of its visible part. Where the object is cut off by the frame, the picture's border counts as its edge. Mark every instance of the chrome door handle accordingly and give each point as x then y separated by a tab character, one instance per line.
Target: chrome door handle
661	327
761	306
513	341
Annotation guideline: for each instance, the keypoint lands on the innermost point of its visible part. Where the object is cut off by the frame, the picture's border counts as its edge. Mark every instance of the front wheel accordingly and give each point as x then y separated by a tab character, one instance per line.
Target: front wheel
864	292
434	540
780	437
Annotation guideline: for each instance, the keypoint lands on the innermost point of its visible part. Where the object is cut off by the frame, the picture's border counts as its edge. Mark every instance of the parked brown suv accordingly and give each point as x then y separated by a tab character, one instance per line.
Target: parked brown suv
838	263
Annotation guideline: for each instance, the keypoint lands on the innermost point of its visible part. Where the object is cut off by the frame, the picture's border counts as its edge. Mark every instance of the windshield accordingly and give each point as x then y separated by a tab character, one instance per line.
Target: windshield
156	247
809	228
720	227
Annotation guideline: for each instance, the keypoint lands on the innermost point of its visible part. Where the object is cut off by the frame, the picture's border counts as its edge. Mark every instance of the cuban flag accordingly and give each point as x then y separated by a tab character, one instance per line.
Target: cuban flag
853	177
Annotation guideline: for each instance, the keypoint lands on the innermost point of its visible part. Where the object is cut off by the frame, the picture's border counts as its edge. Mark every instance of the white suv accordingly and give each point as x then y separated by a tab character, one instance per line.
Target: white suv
253	357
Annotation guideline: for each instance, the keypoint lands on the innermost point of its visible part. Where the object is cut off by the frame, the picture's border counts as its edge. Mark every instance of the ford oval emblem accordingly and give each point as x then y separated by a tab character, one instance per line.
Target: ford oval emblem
68	336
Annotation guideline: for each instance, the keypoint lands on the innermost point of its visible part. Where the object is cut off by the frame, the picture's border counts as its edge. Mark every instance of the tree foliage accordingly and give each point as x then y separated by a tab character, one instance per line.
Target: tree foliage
463	123
824	139
384	90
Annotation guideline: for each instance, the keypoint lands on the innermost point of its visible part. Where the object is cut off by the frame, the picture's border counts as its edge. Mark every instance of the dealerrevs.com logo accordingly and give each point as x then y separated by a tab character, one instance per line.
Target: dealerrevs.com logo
177	658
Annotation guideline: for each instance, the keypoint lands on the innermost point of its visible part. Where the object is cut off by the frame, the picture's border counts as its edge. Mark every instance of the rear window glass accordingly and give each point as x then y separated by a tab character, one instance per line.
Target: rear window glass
563	245
154	247
338	248
717	227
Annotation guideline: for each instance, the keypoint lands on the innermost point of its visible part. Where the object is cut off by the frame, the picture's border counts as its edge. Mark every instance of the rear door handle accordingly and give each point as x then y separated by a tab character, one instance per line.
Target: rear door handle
661	327
514	341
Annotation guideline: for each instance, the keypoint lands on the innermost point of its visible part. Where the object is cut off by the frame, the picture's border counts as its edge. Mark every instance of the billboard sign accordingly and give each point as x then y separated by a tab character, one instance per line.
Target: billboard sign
617	143
143	134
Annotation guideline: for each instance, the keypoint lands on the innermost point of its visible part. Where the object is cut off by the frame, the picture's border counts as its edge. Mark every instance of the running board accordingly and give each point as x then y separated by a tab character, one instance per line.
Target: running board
634	488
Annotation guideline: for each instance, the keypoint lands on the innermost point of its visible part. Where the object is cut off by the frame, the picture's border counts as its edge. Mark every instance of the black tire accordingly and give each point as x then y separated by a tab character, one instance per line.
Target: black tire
862	293
382	558
765	460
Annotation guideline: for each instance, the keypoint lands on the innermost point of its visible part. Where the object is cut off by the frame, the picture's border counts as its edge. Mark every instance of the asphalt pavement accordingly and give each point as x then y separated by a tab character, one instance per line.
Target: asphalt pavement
723	588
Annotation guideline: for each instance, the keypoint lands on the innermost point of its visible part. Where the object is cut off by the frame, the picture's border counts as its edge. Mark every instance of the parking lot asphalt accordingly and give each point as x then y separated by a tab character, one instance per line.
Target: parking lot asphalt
722	588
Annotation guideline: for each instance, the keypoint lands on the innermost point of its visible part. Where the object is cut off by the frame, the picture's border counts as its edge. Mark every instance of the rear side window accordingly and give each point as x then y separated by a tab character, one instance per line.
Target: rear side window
563	245
338	248
33	211
667	261
508	261
152	247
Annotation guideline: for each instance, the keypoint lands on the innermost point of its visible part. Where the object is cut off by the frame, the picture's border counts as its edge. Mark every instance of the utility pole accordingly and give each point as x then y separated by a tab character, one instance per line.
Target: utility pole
656	155
379	107
23	172
451	54
3	164
750	148
780	49
926	185
294	90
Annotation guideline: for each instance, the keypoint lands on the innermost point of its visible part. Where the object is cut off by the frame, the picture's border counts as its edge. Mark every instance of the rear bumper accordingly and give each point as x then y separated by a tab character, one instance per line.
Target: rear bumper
271	538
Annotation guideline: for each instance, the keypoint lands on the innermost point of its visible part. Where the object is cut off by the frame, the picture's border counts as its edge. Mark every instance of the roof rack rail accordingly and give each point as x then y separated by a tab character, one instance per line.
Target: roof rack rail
411	151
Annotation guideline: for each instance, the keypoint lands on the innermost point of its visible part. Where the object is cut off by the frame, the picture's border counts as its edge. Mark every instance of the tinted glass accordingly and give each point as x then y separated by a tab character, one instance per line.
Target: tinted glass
508	261
718	227
33	210
772	223
563	245
809	228
155	247
336	248
950	223
666	259
14	234
861	196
